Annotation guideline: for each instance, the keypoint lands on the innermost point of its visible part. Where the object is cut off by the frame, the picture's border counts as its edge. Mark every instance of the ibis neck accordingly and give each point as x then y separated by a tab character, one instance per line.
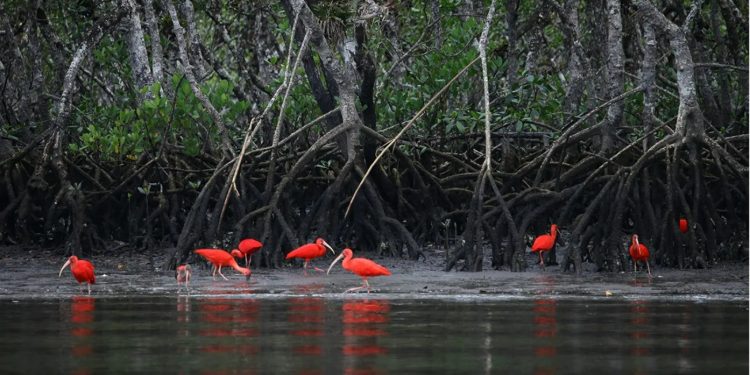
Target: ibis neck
347	258
237	266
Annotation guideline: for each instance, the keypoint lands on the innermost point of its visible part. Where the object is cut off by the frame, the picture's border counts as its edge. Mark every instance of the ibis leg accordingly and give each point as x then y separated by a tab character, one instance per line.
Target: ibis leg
222	275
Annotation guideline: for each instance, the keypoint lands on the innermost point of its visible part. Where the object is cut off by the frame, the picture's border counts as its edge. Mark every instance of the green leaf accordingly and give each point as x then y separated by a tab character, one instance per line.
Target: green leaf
192	146
156	89
460	126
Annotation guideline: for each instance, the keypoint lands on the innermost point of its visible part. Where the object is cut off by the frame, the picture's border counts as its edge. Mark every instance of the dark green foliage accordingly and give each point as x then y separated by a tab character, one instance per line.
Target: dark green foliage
116	132
149	166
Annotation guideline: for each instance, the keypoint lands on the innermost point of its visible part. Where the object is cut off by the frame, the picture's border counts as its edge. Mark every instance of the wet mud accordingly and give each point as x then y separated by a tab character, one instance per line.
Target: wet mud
34	274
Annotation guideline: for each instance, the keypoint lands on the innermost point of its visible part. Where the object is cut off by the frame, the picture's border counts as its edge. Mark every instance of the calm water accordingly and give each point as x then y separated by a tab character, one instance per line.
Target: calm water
312	335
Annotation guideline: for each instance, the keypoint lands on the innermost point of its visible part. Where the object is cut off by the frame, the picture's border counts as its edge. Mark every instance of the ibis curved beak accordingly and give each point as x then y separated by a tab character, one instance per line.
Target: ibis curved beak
329	247
63	267
338	258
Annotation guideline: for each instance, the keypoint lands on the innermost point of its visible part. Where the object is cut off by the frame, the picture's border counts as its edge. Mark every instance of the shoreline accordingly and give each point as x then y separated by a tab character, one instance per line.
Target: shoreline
34	275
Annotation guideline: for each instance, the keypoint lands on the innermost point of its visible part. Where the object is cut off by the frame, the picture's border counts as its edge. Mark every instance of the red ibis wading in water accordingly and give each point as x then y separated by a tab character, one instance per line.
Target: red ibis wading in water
311	251
182	274
639	252
220	258
82	270
247	248
362	267
545	242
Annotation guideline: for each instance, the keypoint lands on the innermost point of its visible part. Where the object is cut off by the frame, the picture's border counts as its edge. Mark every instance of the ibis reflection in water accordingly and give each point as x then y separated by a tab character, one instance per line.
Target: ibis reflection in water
306	333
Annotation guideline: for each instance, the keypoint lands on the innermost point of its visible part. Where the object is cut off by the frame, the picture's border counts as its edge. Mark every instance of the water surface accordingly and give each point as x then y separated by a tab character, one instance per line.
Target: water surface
224	334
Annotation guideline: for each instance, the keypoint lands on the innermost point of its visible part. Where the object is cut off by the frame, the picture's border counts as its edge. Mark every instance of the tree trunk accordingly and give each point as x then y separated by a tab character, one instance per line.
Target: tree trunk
157	57
188	12
615	75
689	119
137	49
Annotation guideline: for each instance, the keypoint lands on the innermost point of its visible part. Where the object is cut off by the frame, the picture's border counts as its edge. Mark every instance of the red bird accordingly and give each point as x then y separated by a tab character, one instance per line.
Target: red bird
639	252
220	258
545	242
247	247
182	274
82	270
363	267
310	251
683	225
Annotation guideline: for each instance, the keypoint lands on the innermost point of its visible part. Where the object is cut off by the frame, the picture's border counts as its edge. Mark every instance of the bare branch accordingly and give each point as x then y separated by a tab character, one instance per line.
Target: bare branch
187	69
411	122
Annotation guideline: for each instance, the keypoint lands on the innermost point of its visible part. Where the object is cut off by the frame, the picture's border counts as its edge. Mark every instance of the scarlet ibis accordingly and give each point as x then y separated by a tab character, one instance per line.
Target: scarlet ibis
220	258
639	252
82	270
182	274
363	267
683	225
310	251
247	247
545	242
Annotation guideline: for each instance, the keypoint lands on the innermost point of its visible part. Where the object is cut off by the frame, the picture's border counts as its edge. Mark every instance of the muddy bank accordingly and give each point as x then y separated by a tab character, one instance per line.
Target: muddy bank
34	274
